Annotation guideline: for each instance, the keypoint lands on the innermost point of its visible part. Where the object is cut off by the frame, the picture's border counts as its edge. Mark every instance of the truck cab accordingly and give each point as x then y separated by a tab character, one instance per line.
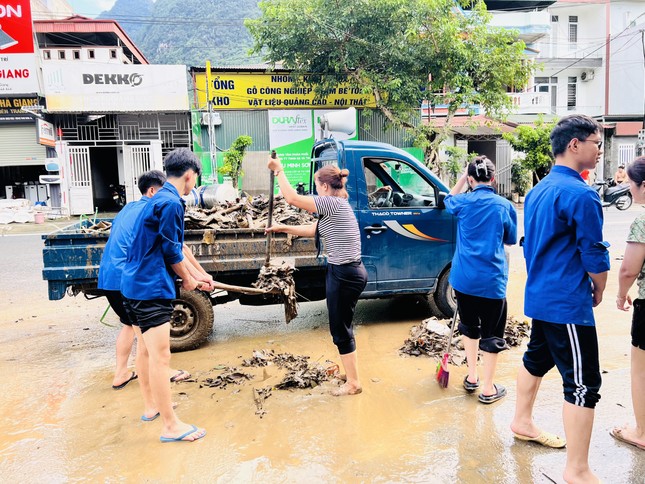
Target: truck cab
408	238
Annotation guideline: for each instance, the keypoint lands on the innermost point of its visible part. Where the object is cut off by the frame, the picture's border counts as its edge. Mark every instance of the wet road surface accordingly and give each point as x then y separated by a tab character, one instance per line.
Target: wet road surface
62	421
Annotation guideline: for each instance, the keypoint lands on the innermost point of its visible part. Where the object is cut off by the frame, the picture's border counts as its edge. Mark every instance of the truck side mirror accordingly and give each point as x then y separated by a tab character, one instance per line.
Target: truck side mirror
441	200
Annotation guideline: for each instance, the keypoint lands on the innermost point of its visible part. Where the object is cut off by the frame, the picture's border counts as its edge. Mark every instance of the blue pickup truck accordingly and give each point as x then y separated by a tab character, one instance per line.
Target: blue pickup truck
408	240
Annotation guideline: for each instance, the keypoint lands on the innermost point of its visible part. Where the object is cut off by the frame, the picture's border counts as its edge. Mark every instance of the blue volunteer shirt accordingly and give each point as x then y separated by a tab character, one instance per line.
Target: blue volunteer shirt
157	244
116	249
485	222
562	244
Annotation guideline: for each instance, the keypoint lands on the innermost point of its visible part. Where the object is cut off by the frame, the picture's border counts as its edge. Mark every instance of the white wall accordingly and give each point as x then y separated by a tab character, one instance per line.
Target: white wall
104	55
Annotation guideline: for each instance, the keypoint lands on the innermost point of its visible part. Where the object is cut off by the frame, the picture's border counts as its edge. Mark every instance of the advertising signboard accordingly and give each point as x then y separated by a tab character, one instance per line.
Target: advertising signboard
271	91
292	134
18	68
11	108
46	133
92	87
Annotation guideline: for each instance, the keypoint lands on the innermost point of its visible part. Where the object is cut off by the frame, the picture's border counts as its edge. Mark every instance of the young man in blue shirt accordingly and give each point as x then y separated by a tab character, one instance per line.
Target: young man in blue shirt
567	263
155	258
112	263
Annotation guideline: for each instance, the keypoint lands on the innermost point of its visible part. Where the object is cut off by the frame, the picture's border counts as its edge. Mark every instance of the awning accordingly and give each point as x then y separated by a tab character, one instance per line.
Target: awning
628	128
472	125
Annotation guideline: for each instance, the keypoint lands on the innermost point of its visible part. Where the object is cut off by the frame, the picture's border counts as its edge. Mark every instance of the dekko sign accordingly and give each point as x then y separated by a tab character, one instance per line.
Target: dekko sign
17	60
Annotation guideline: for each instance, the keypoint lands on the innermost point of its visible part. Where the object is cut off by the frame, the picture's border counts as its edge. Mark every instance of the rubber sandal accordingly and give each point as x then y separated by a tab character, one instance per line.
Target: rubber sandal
470	387
182	437
617	434
488	399
546	439
133	376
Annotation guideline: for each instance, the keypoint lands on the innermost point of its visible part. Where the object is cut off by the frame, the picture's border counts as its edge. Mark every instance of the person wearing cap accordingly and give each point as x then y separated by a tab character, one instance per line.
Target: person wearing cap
479	273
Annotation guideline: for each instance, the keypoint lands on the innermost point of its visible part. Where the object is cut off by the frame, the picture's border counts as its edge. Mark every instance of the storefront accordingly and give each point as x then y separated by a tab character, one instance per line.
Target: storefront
113	122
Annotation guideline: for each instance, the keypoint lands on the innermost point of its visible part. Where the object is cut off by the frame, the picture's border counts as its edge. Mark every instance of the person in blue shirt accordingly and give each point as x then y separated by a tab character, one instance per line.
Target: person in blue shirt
155	259
479	272
112	262
567	263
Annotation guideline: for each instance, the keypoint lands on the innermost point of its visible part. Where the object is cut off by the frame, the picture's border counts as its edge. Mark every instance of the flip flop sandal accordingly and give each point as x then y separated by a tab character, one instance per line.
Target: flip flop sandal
180	376
470	387
133	376
488	399
617	434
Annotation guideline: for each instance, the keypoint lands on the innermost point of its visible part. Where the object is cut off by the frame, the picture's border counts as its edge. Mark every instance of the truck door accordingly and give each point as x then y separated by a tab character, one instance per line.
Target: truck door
407	240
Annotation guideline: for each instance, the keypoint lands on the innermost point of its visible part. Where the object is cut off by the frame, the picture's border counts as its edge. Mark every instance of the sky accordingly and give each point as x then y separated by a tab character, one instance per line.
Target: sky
90	8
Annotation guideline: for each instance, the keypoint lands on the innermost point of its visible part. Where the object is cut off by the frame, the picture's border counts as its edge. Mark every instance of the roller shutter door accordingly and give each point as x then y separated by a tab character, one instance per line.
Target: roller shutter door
18	146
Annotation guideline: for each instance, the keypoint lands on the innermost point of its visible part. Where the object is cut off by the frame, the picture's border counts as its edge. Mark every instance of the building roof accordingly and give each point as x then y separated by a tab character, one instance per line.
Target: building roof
473	125
83	31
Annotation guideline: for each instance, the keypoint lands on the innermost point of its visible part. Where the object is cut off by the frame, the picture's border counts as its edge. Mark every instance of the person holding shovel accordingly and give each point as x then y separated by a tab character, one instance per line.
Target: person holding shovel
633	269
479	273
346	276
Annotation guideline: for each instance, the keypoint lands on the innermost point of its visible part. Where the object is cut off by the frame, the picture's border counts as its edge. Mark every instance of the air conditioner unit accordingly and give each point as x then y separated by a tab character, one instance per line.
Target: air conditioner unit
586	76
211	118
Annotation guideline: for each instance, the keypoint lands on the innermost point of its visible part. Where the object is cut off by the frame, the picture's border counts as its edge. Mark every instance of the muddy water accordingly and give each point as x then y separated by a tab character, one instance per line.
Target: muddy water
61	420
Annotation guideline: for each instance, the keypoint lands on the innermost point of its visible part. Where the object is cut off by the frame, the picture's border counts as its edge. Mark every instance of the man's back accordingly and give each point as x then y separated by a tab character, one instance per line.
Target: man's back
157	244
116	249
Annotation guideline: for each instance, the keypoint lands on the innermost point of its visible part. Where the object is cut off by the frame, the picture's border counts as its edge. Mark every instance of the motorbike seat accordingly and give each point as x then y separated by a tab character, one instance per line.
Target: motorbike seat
612	190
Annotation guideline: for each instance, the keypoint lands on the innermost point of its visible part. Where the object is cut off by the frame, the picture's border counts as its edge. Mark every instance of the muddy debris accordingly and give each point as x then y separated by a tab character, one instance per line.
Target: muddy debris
245	213
259	396
301	373
102	227
429	339
229	376
279	279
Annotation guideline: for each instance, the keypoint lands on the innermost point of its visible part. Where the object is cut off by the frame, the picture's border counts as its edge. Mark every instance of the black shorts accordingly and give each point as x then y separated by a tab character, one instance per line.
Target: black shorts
115	298
573	349
148	314
484	319
638	324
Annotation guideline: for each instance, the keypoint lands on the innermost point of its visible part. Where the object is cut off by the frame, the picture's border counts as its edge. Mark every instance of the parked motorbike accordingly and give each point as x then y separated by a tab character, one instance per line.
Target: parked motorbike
118	194
612	194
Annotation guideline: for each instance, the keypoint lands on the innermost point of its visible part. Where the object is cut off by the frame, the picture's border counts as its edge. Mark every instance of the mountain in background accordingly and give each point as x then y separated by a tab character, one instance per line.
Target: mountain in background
188	31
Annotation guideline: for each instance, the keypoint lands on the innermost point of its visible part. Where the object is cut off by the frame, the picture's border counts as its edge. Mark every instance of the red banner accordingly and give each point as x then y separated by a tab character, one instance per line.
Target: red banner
16	33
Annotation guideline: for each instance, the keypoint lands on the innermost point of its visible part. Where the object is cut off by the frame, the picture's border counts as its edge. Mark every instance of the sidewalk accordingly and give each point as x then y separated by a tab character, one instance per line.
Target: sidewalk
48	226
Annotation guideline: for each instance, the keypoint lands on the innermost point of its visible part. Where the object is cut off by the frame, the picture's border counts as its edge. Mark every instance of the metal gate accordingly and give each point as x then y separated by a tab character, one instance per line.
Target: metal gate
81	200
136	162
503	163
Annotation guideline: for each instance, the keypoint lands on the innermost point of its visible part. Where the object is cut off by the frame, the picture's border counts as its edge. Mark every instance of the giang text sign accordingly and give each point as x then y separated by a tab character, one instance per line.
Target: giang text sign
17	61
12	106
271	91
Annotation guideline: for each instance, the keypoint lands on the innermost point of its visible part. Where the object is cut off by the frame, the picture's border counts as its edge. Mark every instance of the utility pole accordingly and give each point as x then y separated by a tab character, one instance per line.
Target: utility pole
212	146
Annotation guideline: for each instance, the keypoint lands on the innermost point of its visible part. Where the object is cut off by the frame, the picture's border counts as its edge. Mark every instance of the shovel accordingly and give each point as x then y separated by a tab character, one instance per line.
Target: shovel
267	260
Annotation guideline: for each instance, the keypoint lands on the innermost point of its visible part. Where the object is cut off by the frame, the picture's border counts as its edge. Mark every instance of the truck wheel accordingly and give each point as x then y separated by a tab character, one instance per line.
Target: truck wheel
443	297
191	322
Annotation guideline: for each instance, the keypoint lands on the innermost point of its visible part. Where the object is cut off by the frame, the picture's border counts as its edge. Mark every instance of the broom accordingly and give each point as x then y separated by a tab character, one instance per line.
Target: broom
443	375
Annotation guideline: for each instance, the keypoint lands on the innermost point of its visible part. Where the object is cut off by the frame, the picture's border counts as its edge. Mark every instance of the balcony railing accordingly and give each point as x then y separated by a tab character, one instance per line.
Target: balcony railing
531	102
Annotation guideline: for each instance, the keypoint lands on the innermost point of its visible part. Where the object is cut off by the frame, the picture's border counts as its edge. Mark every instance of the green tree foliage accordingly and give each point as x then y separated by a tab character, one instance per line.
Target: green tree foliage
534	142
189	31
401	51
458	158
233	158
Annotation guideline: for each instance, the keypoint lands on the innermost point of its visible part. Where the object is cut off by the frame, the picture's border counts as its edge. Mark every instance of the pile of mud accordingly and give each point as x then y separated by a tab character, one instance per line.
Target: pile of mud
279	279
245	213
430	337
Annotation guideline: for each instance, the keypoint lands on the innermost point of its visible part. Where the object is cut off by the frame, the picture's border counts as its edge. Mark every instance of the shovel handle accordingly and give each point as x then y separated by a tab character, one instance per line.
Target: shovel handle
270	219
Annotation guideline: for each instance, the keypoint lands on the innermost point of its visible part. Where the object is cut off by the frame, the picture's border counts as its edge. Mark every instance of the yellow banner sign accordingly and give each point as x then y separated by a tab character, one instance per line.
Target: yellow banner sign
270	91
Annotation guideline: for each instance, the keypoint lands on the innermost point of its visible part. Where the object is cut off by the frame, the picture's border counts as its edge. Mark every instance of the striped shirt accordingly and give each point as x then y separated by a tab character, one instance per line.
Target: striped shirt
338	228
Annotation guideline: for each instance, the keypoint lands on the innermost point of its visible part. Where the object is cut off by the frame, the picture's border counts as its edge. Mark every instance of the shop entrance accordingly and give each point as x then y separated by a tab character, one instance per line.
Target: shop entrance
105	177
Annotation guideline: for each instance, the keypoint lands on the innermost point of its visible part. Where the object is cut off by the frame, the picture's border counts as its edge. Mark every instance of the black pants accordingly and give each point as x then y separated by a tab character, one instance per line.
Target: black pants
116	302
483	319
345	283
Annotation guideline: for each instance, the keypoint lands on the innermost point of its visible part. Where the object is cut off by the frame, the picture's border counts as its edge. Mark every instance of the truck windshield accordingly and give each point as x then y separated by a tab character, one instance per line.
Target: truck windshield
394	183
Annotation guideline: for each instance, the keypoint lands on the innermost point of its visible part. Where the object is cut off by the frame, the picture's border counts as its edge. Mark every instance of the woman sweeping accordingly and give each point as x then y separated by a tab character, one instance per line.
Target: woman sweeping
346	276
479	273
633	269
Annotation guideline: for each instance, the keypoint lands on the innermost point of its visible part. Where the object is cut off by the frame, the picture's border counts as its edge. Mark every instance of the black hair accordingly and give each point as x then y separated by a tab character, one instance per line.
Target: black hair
636	170
179	161
481	169
576	126
152	178
621	166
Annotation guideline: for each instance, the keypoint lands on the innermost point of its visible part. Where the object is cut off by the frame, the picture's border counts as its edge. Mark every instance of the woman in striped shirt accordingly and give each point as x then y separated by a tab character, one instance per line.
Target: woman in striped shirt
346	276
